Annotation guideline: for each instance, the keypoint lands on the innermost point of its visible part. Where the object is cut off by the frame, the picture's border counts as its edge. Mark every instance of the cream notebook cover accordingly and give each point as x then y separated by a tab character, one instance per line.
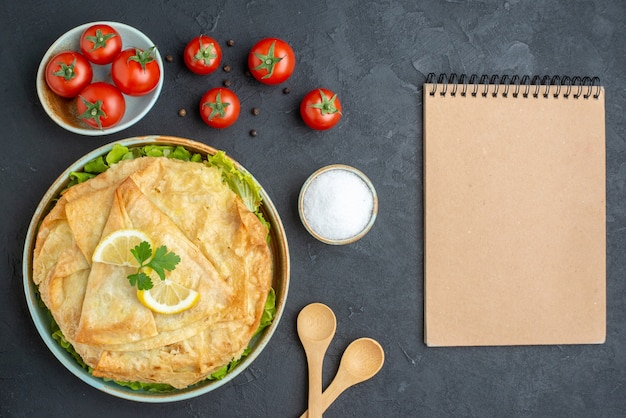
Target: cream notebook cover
514	212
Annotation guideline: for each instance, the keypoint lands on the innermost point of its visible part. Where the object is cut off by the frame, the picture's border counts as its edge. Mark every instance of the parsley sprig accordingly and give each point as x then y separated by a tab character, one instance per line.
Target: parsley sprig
160	261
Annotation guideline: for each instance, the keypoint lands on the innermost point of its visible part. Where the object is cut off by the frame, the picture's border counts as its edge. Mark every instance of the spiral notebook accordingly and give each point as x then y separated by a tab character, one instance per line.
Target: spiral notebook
514	211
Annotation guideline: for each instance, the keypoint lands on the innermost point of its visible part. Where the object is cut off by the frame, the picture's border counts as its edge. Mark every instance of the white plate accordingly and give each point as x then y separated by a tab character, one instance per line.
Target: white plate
59	109
41	316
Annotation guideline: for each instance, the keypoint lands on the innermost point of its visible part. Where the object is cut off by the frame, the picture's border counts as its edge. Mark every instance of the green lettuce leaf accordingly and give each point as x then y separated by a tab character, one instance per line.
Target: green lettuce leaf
117	154
240	183
96	166
79	177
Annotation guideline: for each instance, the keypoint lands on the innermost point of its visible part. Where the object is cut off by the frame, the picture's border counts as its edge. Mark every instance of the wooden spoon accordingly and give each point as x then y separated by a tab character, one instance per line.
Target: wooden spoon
361	361
316	328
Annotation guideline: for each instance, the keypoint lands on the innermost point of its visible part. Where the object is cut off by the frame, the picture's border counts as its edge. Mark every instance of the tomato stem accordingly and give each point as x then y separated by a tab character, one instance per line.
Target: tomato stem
94	111
327	106
218	108
205	54
268	62
142	57
100	39
66	71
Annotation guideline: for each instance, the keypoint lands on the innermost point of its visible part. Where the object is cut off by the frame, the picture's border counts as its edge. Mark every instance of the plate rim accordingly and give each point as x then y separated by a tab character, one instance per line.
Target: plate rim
281	276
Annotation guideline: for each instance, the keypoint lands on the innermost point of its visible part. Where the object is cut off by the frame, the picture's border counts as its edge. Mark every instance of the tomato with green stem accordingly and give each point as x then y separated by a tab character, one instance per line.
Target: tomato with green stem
136	72
100	105
100	44
202	55
67	73
271	61
320	109
219	108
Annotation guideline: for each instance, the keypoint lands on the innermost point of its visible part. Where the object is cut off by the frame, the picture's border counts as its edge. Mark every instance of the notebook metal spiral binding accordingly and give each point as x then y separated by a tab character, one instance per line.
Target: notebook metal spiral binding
515	86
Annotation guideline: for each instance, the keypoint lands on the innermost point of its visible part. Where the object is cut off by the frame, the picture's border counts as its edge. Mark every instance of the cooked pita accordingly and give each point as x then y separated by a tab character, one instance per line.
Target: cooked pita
224	256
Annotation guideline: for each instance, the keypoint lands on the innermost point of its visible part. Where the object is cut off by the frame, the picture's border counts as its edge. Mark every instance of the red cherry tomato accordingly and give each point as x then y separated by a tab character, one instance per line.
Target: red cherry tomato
219	108
202	55
135	72
320	109
100	105
271	61
67	73
100	44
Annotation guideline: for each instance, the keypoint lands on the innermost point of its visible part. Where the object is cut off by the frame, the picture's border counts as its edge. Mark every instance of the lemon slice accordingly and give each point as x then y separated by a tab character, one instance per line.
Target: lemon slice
168	297
115	247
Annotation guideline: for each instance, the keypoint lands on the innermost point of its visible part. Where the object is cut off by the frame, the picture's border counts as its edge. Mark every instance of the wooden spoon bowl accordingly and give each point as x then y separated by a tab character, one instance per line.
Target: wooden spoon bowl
316	328
362	359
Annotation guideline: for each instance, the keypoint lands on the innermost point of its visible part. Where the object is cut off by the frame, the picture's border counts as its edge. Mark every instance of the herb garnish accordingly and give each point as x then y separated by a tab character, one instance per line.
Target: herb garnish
160	261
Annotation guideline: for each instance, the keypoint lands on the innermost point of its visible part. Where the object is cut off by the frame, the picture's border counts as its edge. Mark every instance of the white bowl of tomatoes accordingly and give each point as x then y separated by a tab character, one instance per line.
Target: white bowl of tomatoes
100	78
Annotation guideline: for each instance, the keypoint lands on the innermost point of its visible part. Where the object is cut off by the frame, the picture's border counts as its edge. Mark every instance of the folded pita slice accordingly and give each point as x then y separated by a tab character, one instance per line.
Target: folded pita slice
87	215
180	364
89	203
53	237
63	290
194	271
112	314
215	219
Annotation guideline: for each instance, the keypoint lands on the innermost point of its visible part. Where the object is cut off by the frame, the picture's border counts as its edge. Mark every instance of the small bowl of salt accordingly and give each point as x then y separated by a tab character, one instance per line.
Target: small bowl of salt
338	204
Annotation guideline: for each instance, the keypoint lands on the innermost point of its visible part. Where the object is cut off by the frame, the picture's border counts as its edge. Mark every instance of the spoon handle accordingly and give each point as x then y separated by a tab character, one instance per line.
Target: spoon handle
315	360
340	383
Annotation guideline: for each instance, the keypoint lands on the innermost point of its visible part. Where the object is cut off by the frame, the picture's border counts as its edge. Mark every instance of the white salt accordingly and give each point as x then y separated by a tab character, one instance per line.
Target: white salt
338	204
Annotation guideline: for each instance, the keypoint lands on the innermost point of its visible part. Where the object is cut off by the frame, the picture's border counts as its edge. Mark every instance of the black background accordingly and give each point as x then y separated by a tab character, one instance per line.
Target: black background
375	55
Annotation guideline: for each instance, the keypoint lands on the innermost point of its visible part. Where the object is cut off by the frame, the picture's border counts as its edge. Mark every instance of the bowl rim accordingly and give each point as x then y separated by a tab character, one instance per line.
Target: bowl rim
41	317
368	183
56	48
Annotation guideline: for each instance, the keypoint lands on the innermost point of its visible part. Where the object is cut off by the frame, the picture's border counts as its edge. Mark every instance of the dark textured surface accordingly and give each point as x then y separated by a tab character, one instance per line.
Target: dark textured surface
375	55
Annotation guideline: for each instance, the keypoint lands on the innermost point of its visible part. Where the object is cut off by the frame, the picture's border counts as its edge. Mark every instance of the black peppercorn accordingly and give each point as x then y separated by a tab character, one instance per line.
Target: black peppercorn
286	90
226	83
230	42
253	132
169	58
227	68
256	111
